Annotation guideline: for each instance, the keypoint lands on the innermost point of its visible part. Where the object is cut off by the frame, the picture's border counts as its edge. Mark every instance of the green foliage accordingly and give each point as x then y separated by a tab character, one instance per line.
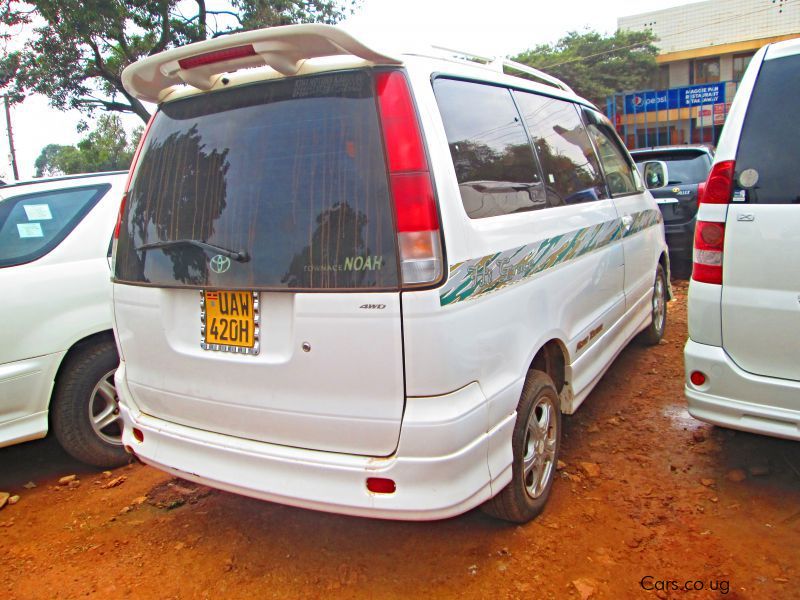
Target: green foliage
105	149
80	47
46	161
596	66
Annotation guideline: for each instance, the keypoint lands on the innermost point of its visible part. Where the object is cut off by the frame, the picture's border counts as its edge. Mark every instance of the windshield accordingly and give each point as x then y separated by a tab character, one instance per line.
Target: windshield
684	167
290	173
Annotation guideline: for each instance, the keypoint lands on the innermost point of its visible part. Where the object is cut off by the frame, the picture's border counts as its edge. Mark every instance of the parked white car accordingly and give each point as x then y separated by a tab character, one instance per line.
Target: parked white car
57	351
371	284
742	368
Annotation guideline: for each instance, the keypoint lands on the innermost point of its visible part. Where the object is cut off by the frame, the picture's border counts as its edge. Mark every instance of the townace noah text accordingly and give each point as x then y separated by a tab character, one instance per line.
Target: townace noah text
370	284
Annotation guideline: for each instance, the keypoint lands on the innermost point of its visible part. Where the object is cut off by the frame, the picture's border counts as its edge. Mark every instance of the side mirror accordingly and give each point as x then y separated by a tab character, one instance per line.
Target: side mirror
655	174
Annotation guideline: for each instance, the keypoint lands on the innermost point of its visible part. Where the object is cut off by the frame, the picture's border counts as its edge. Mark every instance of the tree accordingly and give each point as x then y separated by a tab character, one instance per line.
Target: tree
46	162
596	66
105	149
80	47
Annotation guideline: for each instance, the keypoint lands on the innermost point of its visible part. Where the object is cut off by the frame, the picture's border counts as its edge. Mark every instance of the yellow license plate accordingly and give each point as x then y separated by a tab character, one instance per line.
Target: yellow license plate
229	319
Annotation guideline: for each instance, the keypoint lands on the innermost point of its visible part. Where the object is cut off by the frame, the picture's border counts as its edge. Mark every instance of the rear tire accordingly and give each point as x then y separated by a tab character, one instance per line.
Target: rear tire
535	444
658	322
84	411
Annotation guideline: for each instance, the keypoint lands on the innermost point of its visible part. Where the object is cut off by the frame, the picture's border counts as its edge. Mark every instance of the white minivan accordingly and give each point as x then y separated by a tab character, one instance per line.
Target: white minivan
370	283
742	368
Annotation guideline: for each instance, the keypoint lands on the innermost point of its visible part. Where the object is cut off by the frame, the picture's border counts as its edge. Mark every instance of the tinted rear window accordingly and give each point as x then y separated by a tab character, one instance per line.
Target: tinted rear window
770	138
494	163
621	175
684	167
568	161
290	172
34	224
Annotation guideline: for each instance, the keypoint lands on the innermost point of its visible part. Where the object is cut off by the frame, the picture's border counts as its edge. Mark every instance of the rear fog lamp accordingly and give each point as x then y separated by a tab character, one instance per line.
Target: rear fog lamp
380	485
138	435
697	378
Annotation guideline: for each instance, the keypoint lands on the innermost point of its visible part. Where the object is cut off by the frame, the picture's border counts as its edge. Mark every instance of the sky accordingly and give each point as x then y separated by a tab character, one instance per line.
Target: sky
484	27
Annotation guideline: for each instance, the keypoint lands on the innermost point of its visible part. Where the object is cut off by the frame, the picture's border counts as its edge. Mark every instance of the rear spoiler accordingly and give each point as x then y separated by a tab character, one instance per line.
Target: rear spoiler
282	48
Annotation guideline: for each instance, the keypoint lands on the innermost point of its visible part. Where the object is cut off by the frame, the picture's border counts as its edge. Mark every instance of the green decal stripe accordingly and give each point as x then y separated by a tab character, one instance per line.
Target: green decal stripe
478	276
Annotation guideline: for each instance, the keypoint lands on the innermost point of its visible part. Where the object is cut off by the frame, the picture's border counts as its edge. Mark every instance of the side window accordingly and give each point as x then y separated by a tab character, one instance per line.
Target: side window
621	176
33	224
766	161
495	166
569	164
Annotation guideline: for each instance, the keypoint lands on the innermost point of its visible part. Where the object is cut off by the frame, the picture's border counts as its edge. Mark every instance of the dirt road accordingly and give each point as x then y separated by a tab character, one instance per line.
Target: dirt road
662	498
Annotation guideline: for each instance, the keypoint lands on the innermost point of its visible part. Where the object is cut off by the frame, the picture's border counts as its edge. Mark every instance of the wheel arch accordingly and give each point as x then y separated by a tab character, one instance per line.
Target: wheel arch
74	350
552	358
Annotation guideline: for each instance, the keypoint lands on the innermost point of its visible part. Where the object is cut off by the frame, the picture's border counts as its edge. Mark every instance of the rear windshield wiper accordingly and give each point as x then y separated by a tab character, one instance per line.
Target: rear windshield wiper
241	256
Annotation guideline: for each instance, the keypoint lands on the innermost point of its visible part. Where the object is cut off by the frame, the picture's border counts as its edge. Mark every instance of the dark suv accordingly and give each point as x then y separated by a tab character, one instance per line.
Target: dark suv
688	167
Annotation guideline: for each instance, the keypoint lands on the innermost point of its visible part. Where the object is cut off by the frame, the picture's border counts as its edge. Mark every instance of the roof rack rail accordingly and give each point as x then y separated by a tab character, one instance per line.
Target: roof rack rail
499	63
282	48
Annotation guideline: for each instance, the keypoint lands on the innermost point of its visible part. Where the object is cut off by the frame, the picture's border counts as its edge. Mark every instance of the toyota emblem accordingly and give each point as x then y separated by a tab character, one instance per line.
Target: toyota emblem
219	263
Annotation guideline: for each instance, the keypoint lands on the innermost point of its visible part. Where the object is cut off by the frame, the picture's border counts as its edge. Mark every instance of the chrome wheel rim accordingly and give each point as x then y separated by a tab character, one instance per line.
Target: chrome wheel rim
104	410
541	435
659	303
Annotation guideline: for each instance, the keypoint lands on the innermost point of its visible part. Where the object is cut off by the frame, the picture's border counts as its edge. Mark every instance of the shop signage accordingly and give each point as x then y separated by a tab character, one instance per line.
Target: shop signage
695	95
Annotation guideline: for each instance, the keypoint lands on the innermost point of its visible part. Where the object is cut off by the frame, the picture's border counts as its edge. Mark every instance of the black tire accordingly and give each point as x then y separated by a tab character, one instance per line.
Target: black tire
76	395
518	502
658	323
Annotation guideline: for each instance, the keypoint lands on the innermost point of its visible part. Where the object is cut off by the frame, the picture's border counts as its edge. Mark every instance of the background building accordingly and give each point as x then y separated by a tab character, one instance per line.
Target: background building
704	50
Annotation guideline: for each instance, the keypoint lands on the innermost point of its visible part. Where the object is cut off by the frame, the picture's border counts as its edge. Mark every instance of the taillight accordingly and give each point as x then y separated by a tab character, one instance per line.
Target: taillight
119	214
719	185
130	176
216	56
418	239
701	189
709	239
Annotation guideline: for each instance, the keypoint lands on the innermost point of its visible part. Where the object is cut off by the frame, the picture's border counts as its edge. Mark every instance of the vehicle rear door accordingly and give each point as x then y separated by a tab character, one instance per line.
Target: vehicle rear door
256	275
761	271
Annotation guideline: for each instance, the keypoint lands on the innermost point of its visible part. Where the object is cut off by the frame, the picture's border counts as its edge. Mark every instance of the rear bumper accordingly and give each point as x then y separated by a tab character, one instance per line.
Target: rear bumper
740	400
441	467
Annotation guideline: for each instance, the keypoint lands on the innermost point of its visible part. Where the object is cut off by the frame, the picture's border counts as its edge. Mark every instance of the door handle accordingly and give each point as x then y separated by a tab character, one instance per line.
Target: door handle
627	221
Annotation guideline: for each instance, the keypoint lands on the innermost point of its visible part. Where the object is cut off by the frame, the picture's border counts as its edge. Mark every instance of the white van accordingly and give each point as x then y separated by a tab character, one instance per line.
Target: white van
371	284
742	367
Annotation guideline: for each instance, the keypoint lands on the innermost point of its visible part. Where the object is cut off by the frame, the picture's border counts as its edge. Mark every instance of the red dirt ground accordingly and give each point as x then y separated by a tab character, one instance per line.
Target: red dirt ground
664	507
